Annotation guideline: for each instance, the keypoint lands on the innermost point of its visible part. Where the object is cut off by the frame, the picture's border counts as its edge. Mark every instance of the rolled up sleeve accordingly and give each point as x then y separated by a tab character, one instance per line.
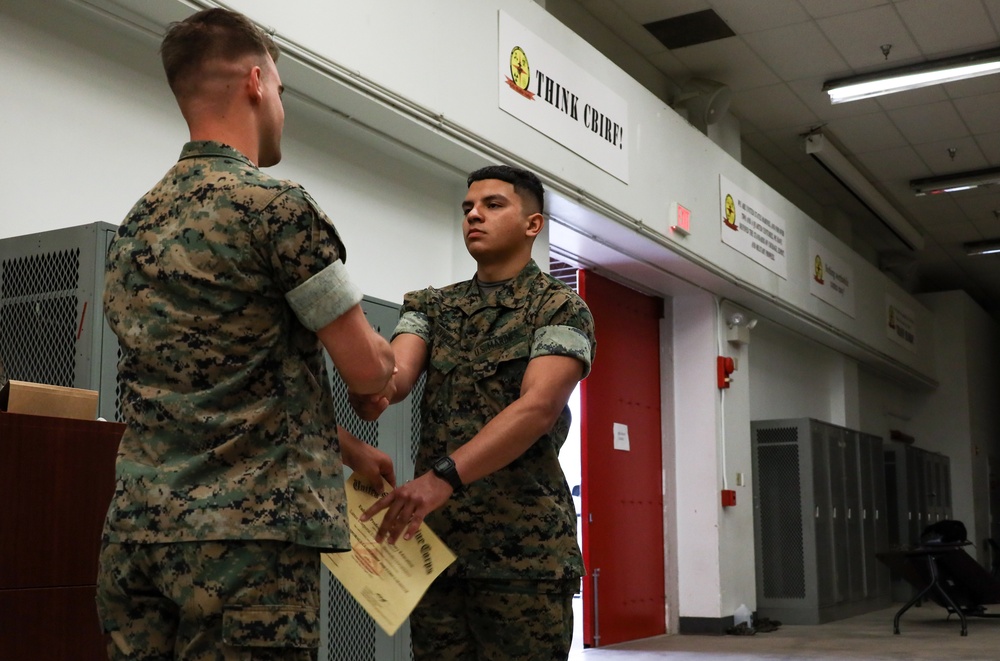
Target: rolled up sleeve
324	297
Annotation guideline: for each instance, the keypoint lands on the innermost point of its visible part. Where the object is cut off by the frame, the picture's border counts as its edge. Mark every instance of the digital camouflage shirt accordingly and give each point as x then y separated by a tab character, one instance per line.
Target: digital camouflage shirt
215	285
519	522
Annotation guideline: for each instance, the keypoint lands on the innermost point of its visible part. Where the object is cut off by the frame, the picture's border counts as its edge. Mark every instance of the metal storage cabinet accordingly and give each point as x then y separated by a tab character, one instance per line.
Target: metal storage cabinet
52	327
818	520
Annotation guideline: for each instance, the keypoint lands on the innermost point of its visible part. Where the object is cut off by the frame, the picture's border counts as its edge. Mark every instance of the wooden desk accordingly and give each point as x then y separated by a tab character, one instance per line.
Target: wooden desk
56	480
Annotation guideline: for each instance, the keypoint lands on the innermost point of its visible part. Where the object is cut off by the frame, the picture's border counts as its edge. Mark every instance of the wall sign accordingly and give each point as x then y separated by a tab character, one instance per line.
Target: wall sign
900	323
831	278
547	91
751	228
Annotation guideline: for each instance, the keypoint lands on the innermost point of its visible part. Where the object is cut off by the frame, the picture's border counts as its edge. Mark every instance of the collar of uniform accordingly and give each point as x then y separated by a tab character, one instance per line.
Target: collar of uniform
211	148
511	295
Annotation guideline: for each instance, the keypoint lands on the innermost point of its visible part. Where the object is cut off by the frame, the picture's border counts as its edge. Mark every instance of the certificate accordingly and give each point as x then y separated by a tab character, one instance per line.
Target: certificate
386	579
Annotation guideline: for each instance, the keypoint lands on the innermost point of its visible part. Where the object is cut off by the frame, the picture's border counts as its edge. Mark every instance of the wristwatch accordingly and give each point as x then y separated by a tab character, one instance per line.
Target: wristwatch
444	467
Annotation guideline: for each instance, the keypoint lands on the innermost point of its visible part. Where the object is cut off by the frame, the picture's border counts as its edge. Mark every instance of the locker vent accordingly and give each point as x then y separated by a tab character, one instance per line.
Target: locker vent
782	547
350	630
416	397
777	435
38	317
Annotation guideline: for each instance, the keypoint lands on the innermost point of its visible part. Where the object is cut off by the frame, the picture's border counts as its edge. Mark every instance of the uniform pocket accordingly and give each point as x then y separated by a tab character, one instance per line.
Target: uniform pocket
271	626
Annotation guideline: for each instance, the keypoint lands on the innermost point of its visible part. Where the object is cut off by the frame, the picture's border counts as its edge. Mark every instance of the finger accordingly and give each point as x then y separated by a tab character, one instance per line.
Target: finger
379	505
389	473
414	526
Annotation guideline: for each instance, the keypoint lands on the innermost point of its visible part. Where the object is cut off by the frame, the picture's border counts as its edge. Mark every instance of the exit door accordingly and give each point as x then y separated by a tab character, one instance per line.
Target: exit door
622	499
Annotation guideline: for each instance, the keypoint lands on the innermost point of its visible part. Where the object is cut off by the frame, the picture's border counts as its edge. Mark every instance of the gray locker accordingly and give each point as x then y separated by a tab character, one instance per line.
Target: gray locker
918	491
52	328
819	504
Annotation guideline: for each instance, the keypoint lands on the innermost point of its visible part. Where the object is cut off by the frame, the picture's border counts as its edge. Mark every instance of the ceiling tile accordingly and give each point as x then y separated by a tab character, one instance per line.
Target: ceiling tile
822	8
859	37
772	107
936	37
810	91
746	17
935	154
730	61
980	113
648	11
864	133
973	86
930	210
917	97
928	123
898	163
796	51
990	144
955	232
632	33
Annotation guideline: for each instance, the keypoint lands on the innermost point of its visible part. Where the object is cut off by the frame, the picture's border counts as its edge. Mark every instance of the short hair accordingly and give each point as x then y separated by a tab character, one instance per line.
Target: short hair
526	183
207	35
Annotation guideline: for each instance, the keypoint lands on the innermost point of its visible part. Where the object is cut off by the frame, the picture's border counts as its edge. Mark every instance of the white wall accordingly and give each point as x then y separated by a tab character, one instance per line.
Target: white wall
97	127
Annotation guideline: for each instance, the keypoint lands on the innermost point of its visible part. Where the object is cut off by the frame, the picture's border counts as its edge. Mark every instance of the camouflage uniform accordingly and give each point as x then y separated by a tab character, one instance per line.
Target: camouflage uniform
514	531
216	283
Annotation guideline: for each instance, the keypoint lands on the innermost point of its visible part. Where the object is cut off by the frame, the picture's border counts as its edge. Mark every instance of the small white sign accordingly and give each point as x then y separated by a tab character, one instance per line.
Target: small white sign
831	278
900	324
621	437
751	228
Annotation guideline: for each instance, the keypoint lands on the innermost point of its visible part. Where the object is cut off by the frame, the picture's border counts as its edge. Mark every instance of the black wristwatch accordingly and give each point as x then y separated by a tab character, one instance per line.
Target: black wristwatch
444	467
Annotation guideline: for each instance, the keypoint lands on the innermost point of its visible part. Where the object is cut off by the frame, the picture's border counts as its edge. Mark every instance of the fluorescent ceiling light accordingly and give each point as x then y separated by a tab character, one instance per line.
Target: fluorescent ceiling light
990	247
959	181
820	148
900	79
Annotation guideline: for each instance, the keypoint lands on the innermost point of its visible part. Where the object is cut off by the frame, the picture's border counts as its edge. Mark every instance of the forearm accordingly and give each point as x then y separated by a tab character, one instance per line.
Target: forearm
410	354
503	439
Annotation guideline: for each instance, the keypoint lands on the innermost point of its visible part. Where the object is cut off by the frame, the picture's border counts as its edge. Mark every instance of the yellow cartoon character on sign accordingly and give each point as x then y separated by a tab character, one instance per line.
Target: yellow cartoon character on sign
730	218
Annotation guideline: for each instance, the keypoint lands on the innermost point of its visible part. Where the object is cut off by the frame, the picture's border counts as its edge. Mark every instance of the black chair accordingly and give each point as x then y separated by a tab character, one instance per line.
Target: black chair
943	572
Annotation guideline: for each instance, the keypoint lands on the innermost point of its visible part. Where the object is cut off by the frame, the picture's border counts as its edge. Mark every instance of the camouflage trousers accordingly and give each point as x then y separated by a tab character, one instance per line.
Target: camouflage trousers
209	601
492	620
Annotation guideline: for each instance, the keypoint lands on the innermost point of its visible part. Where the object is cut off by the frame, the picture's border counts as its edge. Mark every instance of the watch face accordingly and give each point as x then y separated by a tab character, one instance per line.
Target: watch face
519	71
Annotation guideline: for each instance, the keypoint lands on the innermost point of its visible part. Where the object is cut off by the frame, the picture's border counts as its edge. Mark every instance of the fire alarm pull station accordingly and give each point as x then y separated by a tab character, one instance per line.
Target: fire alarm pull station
725	366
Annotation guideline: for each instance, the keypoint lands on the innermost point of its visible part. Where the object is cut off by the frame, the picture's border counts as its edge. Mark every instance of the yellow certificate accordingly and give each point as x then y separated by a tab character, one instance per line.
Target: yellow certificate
386	579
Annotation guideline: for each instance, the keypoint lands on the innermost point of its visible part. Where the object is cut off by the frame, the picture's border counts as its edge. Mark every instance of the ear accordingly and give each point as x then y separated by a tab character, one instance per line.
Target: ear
536	222
255	85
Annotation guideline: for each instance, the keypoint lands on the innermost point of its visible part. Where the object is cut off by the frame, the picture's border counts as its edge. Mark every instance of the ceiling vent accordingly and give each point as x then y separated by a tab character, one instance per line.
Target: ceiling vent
690	29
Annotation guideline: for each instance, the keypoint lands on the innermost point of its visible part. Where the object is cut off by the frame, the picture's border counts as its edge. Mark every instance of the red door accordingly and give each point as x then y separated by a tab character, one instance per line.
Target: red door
622	490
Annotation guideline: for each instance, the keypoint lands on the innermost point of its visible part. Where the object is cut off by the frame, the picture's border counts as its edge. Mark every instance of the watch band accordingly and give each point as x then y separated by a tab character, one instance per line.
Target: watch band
444	467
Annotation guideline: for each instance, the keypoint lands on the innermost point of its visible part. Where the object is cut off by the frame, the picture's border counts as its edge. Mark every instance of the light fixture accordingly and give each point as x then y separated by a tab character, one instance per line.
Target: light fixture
820	148
988	247
900	79
959	181
739	327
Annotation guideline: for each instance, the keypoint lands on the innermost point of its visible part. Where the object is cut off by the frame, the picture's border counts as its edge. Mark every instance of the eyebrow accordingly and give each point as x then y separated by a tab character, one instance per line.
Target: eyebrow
468	204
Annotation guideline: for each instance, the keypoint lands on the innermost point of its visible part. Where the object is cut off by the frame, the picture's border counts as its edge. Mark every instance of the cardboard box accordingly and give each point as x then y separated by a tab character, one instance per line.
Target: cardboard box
53	401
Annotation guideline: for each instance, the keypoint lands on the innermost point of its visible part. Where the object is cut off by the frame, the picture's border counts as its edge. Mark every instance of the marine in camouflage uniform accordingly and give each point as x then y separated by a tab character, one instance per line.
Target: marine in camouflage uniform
514	531
212	288
221	284
502	353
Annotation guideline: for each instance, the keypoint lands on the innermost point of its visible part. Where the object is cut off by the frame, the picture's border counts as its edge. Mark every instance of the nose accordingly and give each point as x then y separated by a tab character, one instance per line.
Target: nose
473	215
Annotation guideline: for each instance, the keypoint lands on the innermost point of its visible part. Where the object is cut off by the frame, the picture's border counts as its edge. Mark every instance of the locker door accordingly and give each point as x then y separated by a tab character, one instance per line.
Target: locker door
852	516
826	578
